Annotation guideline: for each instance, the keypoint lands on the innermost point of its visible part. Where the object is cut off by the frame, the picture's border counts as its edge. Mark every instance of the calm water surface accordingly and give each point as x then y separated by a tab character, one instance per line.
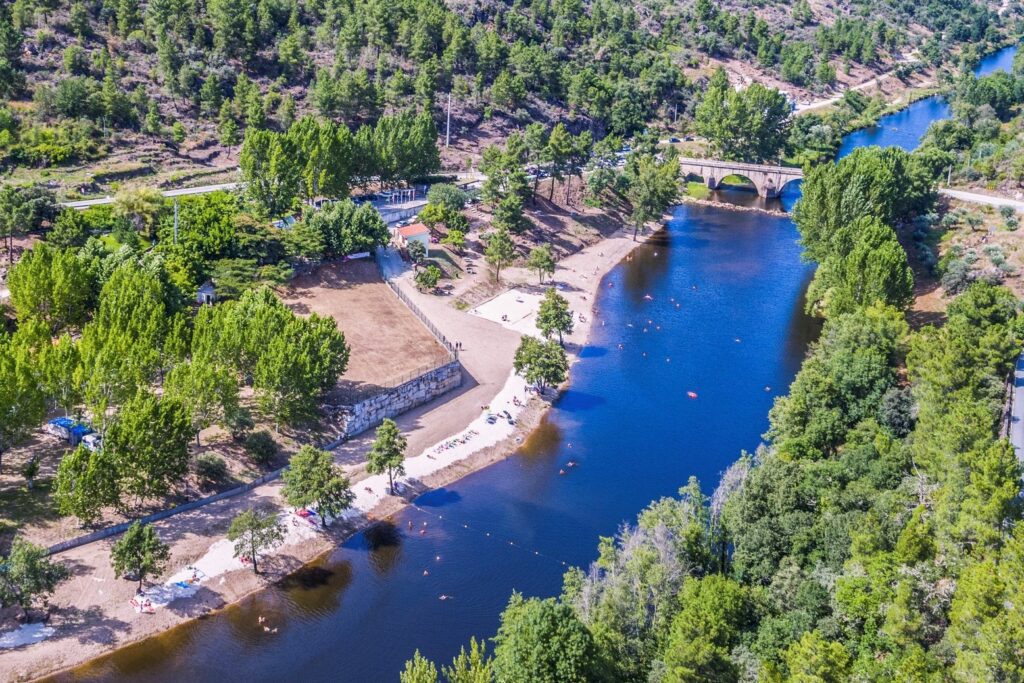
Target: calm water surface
724	321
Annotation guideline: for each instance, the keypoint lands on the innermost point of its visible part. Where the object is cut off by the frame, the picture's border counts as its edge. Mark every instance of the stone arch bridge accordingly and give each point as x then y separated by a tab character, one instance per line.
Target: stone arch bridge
768	180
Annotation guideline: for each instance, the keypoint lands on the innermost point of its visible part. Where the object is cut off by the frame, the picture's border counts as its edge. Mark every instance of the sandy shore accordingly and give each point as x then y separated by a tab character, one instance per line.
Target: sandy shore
91	612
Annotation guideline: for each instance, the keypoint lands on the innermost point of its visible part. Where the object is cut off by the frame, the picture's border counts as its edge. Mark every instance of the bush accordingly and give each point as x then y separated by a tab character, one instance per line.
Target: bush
261	446
957	276
211	468
239	424
426	279
896	411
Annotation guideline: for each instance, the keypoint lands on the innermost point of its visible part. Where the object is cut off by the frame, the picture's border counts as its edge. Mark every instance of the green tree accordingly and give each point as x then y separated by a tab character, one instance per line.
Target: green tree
297	365
57	365
269	168
746	125
28	574
447	195
22	401
542	364
86	482
427	279
12	80
207	389
542	641
471	667
813	658
139	553
558	154
652	187
120	346
344	228
715	610
227	125
500	251
148	442
554	315
419	669
387	453
508	214
21	208
53	285
456	239
326	150
254	532
71	229
868	266
542	261
312	479
417	252
141	207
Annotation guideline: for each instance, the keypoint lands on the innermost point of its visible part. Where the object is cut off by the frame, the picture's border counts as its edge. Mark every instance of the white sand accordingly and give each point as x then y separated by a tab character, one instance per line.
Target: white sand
220	559
26	634
514	309
475	437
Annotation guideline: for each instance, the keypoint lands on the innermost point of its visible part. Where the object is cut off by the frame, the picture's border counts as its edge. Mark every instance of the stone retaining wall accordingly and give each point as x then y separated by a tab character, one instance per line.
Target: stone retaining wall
359	417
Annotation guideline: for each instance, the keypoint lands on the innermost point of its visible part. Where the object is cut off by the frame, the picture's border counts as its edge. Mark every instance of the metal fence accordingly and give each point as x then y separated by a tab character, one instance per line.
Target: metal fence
403	297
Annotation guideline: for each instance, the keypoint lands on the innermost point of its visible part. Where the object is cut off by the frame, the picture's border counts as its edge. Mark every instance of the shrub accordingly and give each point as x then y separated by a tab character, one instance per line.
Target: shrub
239	424
211	468
957	276
261	446
76	61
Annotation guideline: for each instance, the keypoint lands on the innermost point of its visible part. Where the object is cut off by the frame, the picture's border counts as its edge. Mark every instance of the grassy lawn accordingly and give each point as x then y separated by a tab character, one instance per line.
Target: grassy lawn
111	243
444	260
697	190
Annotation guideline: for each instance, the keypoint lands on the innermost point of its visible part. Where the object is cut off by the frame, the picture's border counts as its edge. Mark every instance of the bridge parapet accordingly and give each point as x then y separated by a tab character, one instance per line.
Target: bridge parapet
767	179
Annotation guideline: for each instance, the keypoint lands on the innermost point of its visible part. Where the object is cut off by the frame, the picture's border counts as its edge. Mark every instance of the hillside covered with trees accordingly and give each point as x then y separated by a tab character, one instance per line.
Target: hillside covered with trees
171	85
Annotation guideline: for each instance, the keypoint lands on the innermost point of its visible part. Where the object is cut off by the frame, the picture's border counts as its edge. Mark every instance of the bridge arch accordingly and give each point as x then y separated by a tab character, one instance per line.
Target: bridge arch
768	180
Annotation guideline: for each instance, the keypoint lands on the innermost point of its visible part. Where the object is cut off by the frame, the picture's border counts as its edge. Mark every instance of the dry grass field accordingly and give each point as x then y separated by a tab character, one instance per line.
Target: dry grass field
388	342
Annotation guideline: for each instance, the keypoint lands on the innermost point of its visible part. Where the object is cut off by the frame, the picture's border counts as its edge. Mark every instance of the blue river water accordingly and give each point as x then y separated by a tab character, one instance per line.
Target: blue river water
724	320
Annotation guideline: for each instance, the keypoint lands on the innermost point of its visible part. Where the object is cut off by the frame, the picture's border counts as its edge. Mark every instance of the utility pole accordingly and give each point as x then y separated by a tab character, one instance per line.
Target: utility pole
448	123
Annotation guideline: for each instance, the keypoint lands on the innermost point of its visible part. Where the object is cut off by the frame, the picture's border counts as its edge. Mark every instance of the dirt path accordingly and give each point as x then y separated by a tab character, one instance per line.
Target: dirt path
976	197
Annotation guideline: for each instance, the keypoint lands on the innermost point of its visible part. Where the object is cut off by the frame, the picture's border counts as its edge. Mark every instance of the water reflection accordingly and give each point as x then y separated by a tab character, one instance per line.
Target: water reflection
383	540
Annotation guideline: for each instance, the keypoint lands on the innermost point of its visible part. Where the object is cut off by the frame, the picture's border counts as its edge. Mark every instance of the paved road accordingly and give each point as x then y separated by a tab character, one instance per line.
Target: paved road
1017	413
978	198
203	189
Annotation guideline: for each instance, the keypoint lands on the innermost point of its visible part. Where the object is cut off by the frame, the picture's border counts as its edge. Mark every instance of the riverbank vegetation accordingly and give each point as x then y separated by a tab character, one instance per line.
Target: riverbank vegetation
874	536
984	138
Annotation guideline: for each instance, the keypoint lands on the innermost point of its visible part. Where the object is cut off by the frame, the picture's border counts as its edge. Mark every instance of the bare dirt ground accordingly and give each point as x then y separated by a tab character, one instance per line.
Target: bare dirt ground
563	222
387	341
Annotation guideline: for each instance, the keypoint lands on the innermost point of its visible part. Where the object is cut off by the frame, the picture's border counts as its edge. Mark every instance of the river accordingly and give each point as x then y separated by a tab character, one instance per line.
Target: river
724	320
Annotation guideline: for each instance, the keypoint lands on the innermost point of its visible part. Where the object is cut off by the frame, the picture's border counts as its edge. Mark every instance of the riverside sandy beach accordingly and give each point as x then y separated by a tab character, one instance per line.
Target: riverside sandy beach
448	439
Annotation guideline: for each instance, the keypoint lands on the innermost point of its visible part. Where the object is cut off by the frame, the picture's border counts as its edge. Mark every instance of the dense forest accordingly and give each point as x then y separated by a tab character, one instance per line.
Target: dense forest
137	79
875	535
